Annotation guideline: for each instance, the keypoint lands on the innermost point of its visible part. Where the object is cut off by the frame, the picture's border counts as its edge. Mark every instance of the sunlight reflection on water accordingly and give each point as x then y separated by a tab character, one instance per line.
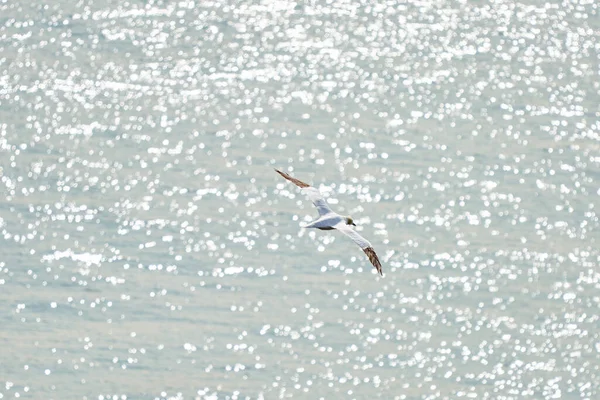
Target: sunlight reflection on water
151	251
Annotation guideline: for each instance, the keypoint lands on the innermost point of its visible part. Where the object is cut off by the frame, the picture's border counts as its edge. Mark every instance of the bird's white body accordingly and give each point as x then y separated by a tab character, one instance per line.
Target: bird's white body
327	221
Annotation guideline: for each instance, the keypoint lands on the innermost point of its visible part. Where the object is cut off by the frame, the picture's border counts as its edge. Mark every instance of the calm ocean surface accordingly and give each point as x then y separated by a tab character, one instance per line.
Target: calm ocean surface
149	251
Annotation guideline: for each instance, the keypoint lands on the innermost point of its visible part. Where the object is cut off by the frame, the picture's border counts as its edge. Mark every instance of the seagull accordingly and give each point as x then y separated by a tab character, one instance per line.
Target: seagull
328	220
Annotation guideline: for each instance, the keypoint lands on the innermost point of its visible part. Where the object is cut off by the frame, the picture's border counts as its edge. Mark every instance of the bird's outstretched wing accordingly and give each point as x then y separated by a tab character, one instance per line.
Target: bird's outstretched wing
363	243
313	193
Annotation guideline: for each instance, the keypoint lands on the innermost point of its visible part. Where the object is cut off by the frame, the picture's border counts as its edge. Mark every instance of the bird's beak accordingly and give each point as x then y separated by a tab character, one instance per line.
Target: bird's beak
353	224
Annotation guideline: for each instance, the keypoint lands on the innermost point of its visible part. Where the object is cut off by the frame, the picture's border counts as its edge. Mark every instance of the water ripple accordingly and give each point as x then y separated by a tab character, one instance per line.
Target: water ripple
145	233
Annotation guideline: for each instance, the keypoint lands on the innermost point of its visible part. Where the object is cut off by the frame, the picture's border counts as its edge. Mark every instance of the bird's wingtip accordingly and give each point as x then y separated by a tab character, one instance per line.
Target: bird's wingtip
295	181
374	259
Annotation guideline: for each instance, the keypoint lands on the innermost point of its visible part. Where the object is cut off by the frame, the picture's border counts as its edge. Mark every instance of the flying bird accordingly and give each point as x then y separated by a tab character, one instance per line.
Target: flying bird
328	220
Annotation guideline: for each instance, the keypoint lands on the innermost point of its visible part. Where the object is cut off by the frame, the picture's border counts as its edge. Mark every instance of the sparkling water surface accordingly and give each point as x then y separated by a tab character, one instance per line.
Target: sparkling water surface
149	250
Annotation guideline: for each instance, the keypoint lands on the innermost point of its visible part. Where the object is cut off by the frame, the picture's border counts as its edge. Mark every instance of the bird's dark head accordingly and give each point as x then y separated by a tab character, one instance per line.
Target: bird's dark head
350	221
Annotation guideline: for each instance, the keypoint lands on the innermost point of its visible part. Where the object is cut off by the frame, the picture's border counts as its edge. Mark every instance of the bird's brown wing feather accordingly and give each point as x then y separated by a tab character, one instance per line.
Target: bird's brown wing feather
370	252
295	181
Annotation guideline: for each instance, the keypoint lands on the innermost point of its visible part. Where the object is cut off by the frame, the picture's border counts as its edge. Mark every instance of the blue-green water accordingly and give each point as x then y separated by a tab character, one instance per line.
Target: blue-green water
149	250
